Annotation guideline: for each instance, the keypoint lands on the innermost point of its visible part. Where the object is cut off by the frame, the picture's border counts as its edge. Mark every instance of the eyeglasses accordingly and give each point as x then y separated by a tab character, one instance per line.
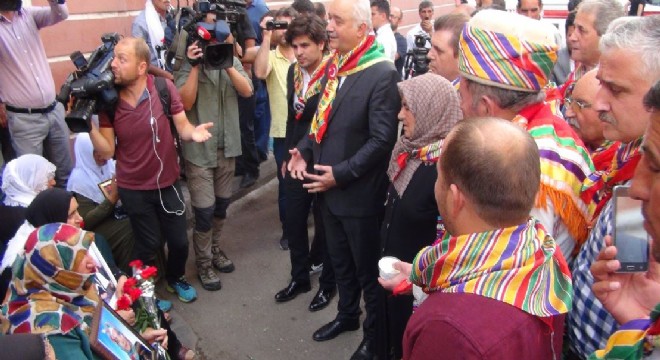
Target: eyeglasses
580	103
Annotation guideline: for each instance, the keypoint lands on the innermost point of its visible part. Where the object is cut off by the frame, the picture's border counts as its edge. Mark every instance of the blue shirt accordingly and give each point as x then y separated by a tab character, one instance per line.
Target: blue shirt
255	12
589	324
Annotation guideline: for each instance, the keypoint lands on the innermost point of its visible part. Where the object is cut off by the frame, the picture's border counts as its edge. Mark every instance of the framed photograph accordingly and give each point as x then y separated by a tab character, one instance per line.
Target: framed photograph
105	281
113	339
105	187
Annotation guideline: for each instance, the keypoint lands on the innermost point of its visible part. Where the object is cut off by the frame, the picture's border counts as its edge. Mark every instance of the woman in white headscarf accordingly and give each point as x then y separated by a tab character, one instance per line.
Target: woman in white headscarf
22	179
101	212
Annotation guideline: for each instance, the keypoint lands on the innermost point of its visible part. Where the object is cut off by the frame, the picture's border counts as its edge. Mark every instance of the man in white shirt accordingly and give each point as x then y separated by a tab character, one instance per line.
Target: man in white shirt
424	27
380	18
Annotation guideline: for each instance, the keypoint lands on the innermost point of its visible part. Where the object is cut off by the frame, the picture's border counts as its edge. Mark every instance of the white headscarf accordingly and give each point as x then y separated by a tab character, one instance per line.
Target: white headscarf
154	27
87	175
24	177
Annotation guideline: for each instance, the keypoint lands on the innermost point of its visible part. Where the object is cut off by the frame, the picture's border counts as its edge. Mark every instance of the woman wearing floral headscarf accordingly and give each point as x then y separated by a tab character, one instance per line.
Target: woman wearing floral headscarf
429	109
52	290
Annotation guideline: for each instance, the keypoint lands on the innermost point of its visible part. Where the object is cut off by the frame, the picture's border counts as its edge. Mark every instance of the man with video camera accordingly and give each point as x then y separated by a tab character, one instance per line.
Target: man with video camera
209	95
272	66
27	91
139	133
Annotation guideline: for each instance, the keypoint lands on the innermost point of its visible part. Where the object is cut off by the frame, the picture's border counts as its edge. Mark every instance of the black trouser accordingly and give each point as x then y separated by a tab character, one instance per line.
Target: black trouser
152	224
353	248
298	203
248	162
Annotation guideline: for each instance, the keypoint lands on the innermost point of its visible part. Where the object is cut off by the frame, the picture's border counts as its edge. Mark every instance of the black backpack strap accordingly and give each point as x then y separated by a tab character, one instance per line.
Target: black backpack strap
166	101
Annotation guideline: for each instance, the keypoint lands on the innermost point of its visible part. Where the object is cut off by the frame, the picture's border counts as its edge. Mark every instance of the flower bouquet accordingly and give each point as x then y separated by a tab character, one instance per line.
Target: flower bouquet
141	287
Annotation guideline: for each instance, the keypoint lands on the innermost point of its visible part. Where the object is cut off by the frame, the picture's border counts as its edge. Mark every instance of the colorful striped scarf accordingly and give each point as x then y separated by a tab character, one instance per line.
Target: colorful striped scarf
518	265
366	54
633	340
604	154
597	188
565	163
504	60
313	88
46	295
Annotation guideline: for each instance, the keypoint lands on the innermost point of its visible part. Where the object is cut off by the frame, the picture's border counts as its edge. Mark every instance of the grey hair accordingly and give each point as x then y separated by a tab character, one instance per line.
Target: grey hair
362	13
504	98
604	11
636	34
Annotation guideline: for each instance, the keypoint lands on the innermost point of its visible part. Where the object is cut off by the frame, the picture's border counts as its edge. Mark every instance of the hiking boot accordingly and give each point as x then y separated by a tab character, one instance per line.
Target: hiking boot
222	262
210	281
184	291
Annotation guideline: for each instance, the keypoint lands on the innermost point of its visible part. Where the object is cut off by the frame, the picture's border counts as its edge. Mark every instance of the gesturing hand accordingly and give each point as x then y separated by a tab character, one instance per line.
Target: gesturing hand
201	132
322	182
297	165
627	296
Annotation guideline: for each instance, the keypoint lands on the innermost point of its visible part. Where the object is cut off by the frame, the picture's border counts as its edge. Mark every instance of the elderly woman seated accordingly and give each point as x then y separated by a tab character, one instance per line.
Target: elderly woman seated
52	292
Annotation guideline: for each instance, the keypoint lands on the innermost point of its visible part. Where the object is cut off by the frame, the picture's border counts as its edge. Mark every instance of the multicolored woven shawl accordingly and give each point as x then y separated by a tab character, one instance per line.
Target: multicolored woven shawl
518	265
46	295
313	88
565	163
366	54
597	188
633	340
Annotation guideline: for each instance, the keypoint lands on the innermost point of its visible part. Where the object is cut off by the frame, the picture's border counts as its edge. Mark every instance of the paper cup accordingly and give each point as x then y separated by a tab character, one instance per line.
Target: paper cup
385	266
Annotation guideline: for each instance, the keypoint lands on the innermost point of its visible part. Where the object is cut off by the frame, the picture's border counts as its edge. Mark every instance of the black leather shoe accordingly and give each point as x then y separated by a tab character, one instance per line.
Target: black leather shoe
334	328
322	299
292	291
248	180
364	351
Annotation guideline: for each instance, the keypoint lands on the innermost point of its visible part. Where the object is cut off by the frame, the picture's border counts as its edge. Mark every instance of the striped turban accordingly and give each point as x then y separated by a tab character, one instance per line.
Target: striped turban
507	50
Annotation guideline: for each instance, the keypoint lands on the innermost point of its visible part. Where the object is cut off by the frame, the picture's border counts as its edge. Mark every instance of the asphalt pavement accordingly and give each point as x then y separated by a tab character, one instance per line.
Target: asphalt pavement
242	321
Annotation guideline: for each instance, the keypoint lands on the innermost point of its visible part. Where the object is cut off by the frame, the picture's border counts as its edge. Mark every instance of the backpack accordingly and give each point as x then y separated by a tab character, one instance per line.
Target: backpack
166	102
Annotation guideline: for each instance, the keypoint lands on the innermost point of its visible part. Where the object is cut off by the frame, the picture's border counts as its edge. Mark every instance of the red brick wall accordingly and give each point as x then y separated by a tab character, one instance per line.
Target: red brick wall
89	19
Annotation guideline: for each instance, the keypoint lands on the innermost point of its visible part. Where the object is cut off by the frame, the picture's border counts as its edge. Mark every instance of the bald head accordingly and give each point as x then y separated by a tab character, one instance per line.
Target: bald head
139	46
463	9
580	113
395	17
496	165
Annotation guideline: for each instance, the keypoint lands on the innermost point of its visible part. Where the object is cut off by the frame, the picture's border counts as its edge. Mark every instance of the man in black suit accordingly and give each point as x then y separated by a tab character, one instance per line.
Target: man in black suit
307	37
351	137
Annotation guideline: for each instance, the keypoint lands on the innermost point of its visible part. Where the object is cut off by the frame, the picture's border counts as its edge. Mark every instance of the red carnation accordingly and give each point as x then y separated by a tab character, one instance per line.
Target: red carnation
136	264
134	293
130	283
123	303
149	272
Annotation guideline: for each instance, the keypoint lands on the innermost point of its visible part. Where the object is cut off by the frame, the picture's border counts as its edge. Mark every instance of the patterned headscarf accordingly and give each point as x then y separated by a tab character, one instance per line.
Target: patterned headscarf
507	50
434	103
47	296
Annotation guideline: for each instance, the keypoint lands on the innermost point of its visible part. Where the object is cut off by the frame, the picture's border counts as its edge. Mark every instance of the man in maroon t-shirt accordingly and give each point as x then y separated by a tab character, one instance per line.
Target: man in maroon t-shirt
147	169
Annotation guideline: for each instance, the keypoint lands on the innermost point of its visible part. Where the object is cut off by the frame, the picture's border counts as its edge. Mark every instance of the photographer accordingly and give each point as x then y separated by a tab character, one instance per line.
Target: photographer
424	27
210	95
27	91
147	171
272	66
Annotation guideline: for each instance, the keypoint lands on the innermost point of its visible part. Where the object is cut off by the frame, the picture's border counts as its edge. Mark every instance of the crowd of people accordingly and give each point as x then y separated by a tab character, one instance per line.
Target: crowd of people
490	179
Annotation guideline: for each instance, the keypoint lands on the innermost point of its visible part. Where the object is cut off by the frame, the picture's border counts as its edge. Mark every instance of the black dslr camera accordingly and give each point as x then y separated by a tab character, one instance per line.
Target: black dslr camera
417	61
91	85
211	36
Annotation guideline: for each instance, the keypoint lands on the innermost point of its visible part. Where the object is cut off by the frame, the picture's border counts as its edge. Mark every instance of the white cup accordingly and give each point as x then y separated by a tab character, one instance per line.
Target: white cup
386	268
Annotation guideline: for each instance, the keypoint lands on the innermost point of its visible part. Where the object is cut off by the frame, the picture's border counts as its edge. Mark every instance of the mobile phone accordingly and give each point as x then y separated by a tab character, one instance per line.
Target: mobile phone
630	237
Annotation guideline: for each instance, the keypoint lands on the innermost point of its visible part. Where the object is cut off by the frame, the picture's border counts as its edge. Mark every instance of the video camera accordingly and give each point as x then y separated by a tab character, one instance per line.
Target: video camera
417	61
211	36
91	84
